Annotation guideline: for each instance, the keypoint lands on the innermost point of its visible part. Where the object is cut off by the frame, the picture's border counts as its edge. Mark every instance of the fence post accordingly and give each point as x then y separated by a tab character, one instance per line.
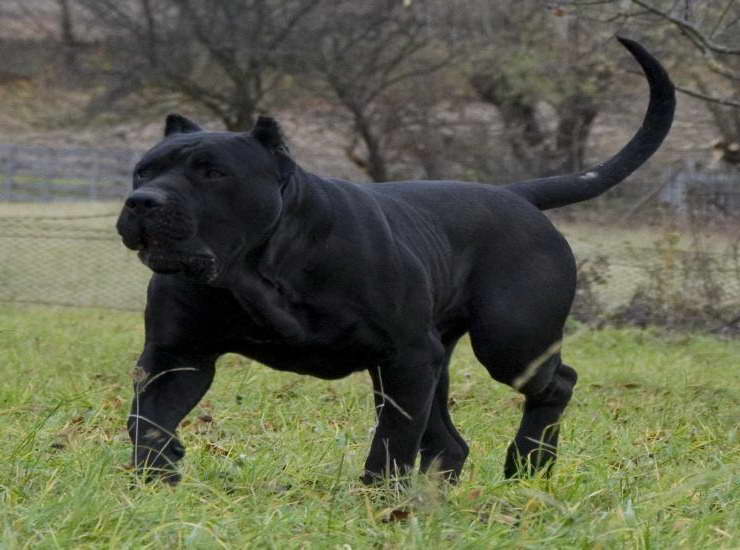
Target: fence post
95	177
51	158
10	168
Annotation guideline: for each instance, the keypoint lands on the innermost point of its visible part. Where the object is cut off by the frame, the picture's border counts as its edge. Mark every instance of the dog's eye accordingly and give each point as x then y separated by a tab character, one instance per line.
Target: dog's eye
212	173
143	174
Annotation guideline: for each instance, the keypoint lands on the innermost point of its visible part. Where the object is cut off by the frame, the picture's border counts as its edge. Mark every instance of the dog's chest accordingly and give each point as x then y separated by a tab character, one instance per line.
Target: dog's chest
333	344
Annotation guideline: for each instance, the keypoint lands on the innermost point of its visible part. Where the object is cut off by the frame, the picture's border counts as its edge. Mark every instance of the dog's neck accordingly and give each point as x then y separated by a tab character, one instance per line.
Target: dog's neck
305	221
265	278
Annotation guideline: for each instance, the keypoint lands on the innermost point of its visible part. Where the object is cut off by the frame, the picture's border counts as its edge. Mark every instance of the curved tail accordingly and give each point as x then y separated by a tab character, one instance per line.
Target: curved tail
558	191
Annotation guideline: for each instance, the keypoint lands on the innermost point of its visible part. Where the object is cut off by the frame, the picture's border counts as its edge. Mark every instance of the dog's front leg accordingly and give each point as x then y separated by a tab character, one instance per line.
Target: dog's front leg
166	388
404	396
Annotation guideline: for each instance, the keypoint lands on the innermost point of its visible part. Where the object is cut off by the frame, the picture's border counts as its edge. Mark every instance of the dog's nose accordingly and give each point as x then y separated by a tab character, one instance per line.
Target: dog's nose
144	200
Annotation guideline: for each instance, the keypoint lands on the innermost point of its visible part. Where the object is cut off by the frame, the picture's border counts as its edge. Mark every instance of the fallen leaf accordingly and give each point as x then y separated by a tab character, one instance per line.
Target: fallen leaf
216	449
397	514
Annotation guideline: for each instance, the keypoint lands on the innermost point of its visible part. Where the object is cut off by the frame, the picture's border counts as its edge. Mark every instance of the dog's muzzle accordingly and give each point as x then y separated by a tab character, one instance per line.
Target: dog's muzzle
161	230
151	219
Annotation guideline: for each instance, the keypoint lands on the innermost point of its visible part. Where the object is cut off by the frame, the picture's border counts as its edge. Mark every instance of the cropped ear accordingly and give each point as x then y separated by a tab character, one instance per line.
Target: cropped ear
178	124
267	131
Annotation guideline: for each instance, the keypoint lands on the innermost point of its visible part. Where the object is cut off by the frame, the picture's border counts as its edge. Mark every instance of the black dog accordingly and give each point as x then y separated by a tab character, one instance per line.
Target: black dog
318	276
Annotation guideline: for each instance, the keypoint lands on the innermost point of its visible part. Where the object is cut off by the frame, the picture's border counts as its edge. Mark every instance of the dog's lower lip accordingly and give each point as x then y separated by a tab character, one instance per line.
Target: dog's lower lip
150	255
166	262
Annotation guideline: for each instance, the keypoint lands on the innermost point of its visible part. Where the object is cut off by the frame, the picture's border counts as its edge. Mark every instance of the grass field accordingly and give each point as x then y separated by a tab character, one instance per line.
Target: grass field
649	457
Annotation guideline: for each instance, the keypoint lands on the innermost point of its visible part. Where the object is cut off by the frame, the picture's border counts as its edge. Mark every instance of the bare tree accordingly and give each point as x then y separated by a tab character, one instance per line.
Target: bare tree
29	35
527	59
705	42
363	54
223	55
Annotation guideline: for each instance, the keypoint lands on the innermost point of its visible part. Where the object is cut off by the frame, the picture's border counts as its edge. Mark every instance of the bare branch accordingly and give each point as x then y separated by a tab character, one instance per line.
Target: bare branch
693	32
704	97
721	18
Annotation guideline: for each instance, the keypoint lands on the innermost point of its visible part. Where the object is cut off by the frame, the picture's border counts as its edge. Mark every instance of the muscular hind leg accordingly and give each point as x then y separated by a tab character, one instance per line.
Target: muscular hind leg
536	442
527	359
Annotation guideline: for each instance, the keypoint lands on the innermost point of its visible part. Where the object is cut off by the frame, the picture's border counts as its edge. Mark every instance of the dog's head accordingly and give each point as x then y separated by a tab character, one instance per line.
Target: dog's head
201	198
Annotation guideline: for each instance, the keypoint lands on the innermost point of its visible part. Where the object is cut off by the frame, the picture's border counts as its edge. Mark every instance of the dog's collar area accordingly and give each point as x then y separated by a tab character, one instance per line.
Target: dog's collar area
287	173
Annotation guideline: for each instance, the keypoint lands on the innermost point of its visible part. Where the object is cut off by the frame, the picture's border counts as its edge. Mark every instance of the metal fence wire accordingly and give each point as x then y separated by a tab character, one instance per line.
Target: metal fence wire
58	243
73	260
78	260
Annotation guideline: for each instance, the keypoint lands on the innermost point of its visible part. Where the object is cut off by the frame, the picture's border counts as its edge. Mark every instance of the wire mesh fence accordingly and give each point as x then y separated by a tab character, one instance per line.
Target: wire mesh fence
74	260
58	245
71	255
57	239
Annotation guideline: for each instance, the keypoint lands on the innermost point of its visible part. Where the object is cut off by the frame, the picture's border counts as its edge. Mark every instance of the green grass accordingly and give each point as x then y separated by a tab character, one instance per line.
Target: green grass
649	453
35	180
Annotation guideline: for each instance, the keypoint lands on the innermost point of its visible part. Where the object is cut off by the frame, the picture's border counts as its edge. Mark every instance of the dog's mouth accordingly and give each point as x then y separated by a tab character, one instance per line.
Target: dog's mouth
197	267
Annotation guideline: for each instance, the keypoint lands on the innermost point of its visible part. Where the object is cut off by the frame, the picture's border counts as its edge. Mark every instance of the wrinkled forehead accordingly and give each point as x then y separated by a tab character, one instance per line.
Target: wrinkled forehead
227	148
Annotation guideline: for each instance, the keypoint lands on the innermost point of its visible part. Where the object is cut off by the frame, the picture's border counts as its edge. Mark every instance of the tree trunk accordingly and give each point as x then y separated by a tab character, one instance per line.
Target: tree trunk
376	167
151	35
241	119
577	114
69	43
527	139
518	113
